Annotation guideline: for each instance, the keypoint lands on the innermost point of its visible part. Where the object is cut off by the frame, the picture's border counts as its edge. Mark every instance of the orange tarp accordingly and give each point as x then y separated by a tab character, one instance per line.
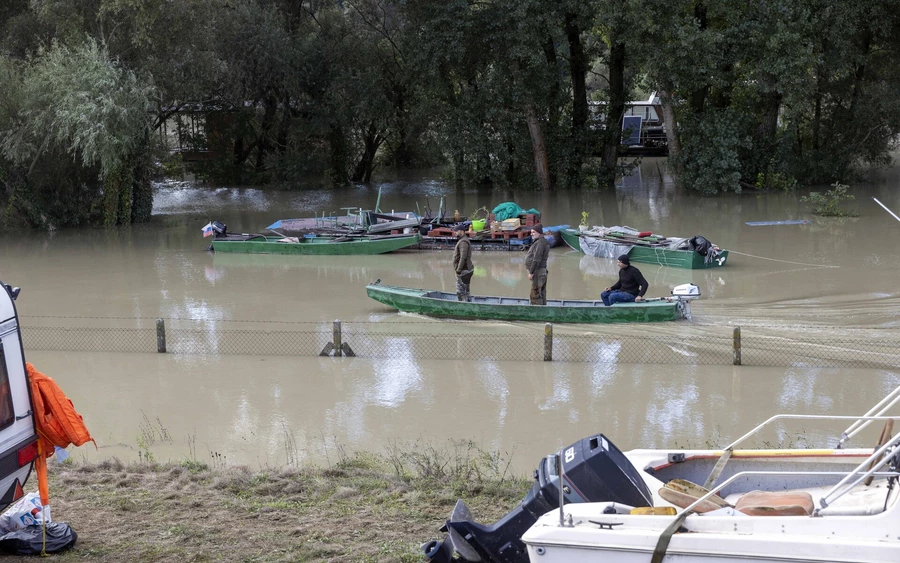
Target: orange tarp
57	422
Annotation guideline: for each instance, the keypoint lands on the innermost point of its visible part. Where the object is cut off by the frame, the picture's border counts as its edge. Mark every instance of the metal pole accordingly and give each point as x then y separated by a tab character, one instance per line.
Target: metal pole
548	342
737	346
562	497
886	209
161	336
337	338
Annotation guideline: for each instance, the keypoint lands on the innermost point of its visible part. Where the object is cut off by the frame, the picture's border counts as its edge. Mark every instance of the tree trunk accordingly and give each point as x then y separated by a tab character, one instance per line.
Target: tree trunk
553	107
768	123
262	145
578	70
860	74
338	164
402	156
366	164
817	113
615	110
698	96
670	122
284	126
540	152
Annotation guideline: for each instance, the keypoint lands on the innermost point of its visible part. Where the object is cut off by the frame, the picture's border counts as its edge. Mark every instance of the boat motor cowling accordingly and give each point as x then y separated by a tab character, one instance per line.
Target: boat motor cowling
686	292
594	470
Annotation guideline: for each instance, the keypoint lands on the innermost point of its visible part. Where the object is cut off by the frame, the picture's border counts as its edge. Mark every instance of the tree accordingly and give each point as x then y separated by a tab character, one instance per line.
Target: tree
78	102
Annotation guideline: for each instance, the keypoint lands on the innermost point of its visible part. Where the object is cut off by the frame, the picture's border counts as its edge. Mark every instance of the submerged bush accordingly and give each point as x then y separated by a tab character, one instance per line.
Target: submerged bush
829	203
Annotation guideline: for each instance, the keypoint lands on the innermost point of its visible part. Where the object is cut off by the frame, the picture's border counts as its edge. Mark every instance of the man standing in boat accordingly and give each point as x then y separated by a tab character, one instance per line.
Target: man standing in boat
536	264
631	286
462	262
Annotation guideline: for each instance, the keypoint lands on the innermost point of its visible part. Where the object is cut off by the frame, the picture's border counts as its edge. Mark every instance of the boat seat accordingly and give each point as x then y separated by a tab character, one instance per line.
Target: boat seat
683	493
775	503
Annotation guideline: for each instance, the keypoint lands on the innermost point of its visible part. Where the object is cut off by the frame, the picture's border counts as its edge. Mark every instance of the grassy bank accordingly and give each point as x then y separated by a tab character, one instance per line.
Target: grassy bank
363	508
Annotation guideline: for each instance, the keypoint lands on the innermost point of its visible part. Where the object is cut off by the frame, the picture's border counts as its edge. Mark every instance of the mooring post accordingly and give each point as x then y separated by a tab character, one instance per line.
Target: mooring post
548	342
737	346
337	338
161	336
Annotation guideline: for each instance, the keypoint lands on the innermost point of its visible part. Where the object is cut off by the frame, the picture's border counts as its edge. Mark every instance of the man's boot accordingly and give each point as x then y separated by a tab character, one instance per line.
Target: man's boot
460	297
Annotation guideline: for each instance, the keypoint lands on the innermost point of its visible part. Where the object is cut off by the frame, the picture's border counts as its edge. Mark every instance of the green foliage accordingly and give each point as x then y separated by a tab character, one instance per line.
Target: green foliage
78	104
710	159
829	203
775	180
298	93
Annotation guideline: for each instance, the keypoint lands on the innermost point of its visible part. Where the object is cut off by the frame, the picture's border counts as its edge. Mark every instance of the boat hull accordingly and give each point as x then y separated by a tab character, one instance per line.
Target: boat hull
858	527
439	304
315	246
687	259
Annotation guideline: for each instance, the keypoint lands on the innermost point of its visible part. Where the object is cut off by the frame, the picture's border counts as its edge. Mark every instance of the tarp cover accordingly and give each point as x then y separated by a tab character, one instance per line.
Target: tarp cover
508	210
600	248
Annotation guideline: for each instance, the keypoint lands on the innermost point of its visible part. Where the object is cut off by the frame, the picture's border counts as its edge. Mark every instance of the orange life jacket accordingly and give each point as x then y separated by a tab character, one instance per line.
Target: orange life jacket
56	421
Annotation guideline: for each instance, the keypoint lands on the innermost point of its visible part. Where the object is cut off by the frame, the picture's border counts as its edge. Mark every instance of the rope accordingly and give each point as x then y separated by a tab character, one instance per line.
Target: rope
782	261
44	541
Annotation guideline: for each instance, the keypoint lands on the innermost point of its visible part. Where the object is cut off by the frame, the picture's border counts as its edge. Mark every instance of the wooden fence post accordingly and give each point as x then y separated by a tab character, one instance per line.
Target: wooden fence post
737	346
548	342
337	338
161	336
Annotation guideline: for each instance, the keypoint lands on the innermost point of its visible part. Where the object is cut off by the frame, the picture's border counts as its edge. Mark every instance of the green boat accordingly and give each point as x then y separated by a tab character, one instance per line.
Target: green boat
441	304
645	254
320	245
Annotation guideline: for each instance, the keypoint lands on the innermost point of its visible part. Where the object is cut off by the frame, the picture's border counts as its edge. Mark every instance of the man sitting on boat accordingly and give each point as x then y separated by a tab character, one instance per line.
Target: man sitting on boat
462	263
631	286
536	264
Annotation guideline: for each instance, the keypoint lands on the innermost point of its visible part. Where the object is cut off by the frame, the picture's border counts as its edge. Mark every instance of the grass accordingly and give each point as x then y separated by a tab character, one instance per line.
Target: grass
363	508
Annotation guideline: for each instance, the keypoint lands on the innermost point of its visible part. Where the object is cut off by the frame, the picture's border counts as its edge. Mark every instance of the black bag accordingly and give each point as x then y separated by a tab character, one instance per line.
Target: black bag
30	539
700	244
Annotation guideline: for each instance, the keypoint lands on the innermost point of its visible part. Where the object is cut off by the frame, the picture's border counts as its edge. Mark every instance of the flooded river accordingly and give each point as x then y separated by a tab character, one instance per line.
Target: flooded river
831	274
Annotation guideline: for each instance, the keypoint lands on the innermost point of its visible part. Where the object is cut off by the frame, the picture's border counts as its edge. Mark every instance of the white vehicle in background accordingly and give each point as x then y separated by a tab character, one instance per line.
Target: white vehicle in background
18	438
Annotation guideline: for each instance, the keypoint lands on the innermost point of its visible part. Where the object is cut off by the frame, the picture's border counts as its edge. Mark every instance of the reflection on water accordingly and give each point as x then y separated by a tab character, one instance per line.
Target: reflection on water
258	410
830	273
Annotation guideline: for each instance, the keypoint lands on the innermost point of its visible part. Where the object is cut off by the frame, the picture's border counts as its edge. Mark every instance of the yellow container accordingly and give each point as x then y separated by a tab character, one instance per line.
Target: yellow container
478	225
654	510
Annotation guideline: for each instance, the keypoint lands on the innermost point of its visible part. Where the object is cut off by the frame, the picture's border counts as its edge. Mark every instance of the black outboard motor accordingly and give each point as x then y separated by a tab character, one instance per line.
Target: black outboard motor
594	470
219	229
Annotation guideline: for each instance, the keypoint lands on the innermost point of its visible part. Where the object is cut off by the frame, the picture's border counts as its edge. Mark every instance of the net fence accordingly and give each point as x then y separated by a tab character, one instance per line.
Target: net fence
707	345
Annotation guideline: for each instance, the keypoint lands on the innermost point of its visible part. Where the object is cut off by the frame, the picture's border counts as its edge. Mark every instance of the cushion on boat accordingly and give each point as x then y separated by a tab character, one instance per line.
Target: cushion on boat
775	503
683	493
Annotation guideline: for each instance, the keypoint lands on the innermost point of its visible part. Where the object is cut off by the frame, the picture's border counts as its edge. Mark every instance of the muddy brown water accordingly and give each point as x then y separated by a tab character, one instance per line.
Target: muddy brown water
831	274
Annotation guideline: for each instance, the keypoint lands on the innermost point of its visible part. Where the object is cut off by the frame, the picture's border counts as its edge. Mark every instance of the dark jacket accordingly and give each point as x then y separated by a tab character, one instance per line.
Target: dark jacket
462	256
536	260
632	281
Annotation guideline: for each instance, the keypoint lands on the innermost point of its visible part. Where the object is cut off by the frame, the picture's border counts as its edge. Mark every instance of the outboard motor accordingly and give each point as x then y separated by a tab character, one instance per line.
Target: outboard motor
685	293
219	229
594	470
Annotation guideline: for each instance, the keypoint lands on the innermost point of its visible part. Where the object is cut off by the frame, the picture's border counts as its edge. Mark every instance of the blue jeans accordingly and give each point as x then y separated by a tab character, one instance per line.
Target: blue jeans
613	297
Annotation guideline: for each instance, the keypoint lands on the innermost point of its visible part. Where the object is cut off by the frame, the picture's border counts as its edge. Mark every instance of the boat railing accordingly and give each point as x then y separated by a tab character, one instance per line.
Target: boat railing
859	422
889	400
873	462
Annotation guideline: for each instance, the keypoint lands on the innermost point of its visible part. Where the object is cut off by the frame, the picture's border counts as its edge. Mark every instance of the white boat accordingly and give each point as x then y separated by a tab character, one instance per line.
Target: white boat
779	505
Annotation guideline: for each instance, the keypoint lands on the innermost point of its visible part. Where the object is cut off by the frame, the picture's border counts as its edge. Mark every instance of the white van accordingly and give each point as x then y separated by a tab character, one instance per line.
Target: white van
18	439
